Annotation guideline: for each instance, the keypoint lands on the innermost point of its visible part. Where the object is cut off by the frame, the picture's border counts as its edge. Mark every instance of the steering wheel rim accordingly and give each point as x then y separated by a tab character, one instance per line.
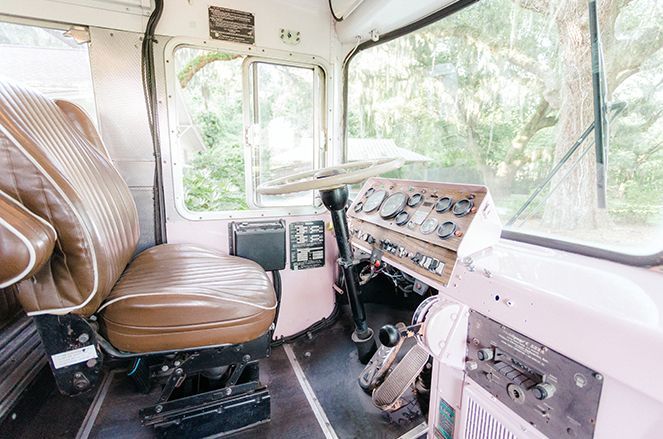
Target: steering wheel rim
328	178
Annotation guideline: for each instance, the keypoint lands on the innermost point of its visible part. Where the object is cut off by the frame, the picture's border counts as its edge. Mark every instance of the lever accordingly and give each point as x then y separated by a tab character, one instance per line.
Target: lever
390	335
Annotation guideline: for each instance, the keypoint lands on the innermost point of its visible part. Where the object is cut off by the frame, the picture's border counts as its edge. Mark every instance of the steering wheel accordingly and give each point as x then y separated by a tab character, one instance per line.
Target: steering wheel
329	178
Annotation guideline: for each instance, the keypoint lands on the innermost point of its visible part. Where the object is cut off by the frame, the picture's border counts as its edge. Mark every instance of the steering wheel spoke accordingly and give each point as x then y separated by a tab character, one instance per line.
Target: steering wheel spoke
328	178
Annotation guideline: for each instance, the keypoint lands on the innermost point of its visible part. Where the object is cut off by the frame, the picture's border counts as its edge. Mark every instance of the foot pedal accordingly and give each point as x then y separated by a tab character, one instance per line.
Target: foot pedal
377	368
388	395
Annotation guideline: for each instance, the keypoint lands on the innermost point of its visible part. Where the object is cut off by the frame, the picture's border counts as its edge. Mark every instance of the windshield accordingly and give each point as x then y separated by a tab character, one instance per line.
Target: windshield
500	93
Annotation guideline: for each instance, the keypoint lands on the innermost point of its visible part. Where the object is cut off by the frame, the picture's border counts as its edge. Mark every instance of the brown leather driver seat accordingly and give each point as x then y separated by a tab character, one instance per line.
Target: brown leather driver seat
69	228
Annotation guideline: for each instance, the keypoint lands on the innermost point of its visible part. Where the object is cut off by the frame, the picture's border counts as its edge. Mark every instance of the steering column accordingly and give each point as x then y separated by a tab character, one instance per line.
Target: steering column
335	201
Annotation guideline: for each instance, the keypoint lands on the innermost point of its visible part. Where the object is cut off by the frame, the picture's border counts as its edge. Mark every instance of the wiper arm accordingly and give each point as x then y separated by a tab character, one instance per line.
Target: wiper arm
616	108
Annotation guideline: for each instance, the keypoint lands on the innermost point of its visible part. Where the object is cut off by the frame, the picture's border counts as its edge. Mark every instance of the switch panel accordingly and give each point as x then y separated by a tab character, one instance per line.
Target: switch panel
555	394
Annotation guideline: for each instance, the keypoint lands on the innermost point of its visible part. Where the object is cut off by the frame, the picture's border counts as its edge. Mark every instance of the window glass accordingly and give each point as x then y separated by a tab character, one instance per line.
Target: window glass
210	129
498	94
283	124
225	130
49	61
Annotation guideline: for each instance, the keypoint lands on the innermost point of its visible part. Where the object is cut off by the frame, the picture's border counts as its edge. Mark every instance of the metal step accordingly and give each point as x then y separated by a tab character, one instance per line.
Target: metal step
21	359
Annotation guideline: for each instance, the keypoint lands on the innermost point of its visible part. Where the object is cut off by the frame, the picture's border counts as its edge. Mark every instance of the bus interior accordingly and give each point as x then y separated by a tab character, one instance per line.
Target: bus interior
331	219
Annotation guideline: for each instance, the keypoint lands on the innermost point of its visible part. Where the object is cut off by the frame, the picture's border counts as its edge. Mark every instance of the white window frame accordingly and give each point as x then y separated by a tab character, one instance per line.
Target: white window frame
172	161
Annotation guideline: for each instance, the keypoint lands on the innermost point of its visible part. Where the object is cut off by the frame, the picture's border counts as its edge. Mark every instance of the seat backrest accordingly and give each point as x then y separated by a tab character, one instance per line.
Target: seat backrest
52	161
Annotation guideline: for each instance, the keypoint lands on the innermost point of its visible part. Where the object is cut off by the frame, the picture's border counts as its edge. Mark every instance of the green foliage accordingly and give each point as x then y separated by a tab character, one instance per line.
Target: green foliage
214	179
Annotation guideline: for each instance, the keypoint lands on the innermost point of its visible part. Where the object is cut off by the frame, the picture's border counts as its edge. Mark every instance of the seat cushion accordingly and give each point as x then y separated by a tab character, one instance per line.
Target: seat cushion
177	296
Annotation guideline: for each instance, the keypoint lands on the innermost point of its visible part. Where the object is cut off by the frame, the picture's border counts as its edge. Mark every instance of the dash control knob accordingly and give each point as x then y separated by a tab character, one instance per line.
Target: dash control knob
543	391
485	354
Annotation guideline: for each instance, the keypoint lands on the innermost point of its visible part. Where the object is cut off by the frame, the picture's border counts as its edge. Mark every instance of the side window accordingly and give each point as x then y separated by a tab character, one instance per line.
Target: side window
283	126
210	129
242	122
49	61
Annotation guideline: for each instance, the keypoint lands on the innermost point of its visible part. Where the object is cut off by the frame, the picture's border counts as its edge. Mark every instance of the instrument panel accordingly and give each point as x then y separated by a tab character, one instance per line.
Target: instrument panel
423	226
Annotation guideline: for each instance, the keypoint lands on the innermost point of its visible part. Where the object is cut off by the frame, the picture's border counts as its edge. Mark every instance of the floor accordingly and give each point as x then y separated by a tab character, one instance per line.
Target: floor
330	369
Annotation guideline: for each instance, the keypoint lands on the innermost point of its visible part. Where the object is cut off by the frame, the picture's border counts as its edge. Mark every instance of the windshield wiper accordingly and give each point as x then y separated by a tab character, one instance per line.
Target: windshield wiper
616	109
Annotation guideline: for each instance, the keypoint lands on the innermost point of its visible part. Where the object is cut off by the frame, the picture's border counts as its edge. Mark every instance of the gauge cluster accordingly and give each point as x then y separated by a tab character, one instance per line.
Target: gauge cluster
423	226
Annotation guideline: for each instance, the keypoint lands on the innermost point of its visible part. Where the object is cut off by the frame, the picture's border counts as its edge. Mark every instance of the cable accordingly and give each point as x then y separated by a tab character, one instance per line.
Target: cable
150	91
336	17
317	326
276	278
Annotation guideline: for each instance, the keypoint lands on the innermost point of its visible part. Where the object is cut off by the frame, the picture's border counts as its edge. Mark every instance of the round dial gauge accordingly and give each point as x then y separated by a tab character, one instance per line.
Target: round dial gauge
402	218
463	207
446	229
415	200
374	202
393	205
369	192
358	206
428	226
443	204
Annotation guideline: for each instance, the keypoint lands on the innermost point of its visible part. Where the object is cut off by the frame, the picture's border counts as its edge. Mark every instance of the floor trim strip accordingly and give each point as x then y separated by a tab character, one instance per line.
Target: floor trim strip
417	432
319	412
95	407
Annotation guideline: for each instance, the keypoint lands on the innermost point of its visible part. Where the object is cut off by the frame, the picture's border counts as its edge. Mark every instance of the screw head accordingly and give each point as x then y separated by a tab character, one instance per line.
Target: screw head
83	338
158	408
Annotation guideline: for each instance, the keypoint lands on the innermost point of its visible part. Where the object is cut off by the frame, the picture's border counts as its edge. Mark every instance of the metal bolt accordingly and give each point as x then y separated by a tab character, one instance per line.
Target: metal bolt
246	358
471	365
78	375
177	363
598	376
179	371
91	362
83	338
164	368
158	408
307	355
229	391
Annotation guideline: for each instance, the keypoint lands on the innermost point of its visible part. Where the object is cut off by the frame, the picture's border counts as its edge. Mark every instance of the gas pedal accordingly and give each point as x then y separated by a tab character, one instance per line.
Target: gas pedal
387	395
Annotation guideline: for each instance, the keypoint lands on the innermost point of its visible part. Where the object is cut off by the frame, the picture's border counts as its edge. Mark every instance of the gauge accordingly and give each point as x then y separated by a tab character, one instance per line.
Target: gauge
446	229
463	207
415	200
358	206
428	226
443	204
393	205
374	202
402	218
369	192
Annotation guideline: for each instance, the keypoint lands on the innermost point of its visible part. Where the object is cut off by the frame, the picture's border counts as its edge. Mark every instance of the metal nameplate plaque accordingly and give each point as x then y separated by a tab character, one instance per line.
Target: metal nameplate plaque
555	394
307	245
231	25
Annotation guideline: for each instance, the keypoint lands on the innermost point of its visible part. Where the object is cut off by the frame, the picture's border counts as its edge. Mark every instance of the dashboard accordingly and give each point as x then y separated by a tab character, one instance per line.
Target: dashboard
423	226
550	344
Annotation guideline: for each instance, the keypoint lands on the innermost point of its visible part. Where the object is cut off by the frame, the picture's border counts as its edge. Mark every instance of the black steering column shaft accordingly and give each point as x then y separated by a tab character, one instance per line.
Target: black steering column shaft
335	200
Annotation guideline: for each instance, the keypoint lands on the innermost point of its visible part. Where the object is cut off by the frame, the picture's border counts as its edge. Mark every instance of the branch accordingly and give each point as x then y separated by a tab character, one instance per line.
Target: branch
540	6
628	55
197	64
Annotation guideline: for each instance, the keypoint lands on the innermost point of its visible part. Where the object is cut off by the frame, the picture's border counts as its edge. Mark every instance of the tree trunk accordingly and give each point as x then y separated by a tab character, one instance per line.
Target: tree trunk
573	204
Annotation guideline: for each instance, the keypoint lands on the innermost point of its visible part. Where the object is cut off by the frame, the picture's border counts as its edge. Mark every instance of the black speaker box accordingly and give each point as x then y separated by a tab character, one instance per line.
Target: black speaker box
260	241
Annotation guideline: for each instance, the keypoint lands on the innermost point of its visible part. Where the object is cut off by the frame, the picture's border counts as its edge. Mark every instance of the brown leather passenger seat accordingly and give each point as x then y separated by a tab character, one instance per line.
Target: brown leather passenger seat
172	296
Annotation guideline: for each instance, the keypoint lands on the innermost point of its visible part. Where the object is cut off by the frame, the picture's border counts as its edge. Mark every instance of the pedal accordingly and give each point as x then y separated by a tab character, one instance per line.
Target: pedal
388	395
377	367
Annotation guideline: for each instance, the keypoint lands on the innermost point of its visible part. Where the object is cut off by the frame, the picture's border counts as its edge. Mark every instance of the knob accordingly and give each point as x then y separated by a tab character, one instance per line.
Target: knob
485	354
543	391
389	336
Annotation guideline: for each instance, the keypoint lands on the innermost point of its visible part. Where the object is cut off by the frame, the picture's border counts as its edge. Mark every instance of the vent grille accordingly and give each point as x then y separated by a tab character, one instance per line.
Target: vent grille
480	424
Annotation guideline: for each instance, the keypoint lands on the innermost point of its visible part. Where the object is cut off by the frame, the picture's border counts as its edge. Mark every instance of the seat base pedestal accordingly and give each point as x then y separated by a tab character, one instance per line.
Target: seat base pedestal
216	412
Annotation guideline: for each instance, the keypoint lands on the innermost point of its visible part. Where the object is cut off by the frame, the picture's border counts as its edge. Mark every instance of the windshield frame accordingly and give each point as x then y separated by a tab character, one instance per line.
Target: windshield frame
642	260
